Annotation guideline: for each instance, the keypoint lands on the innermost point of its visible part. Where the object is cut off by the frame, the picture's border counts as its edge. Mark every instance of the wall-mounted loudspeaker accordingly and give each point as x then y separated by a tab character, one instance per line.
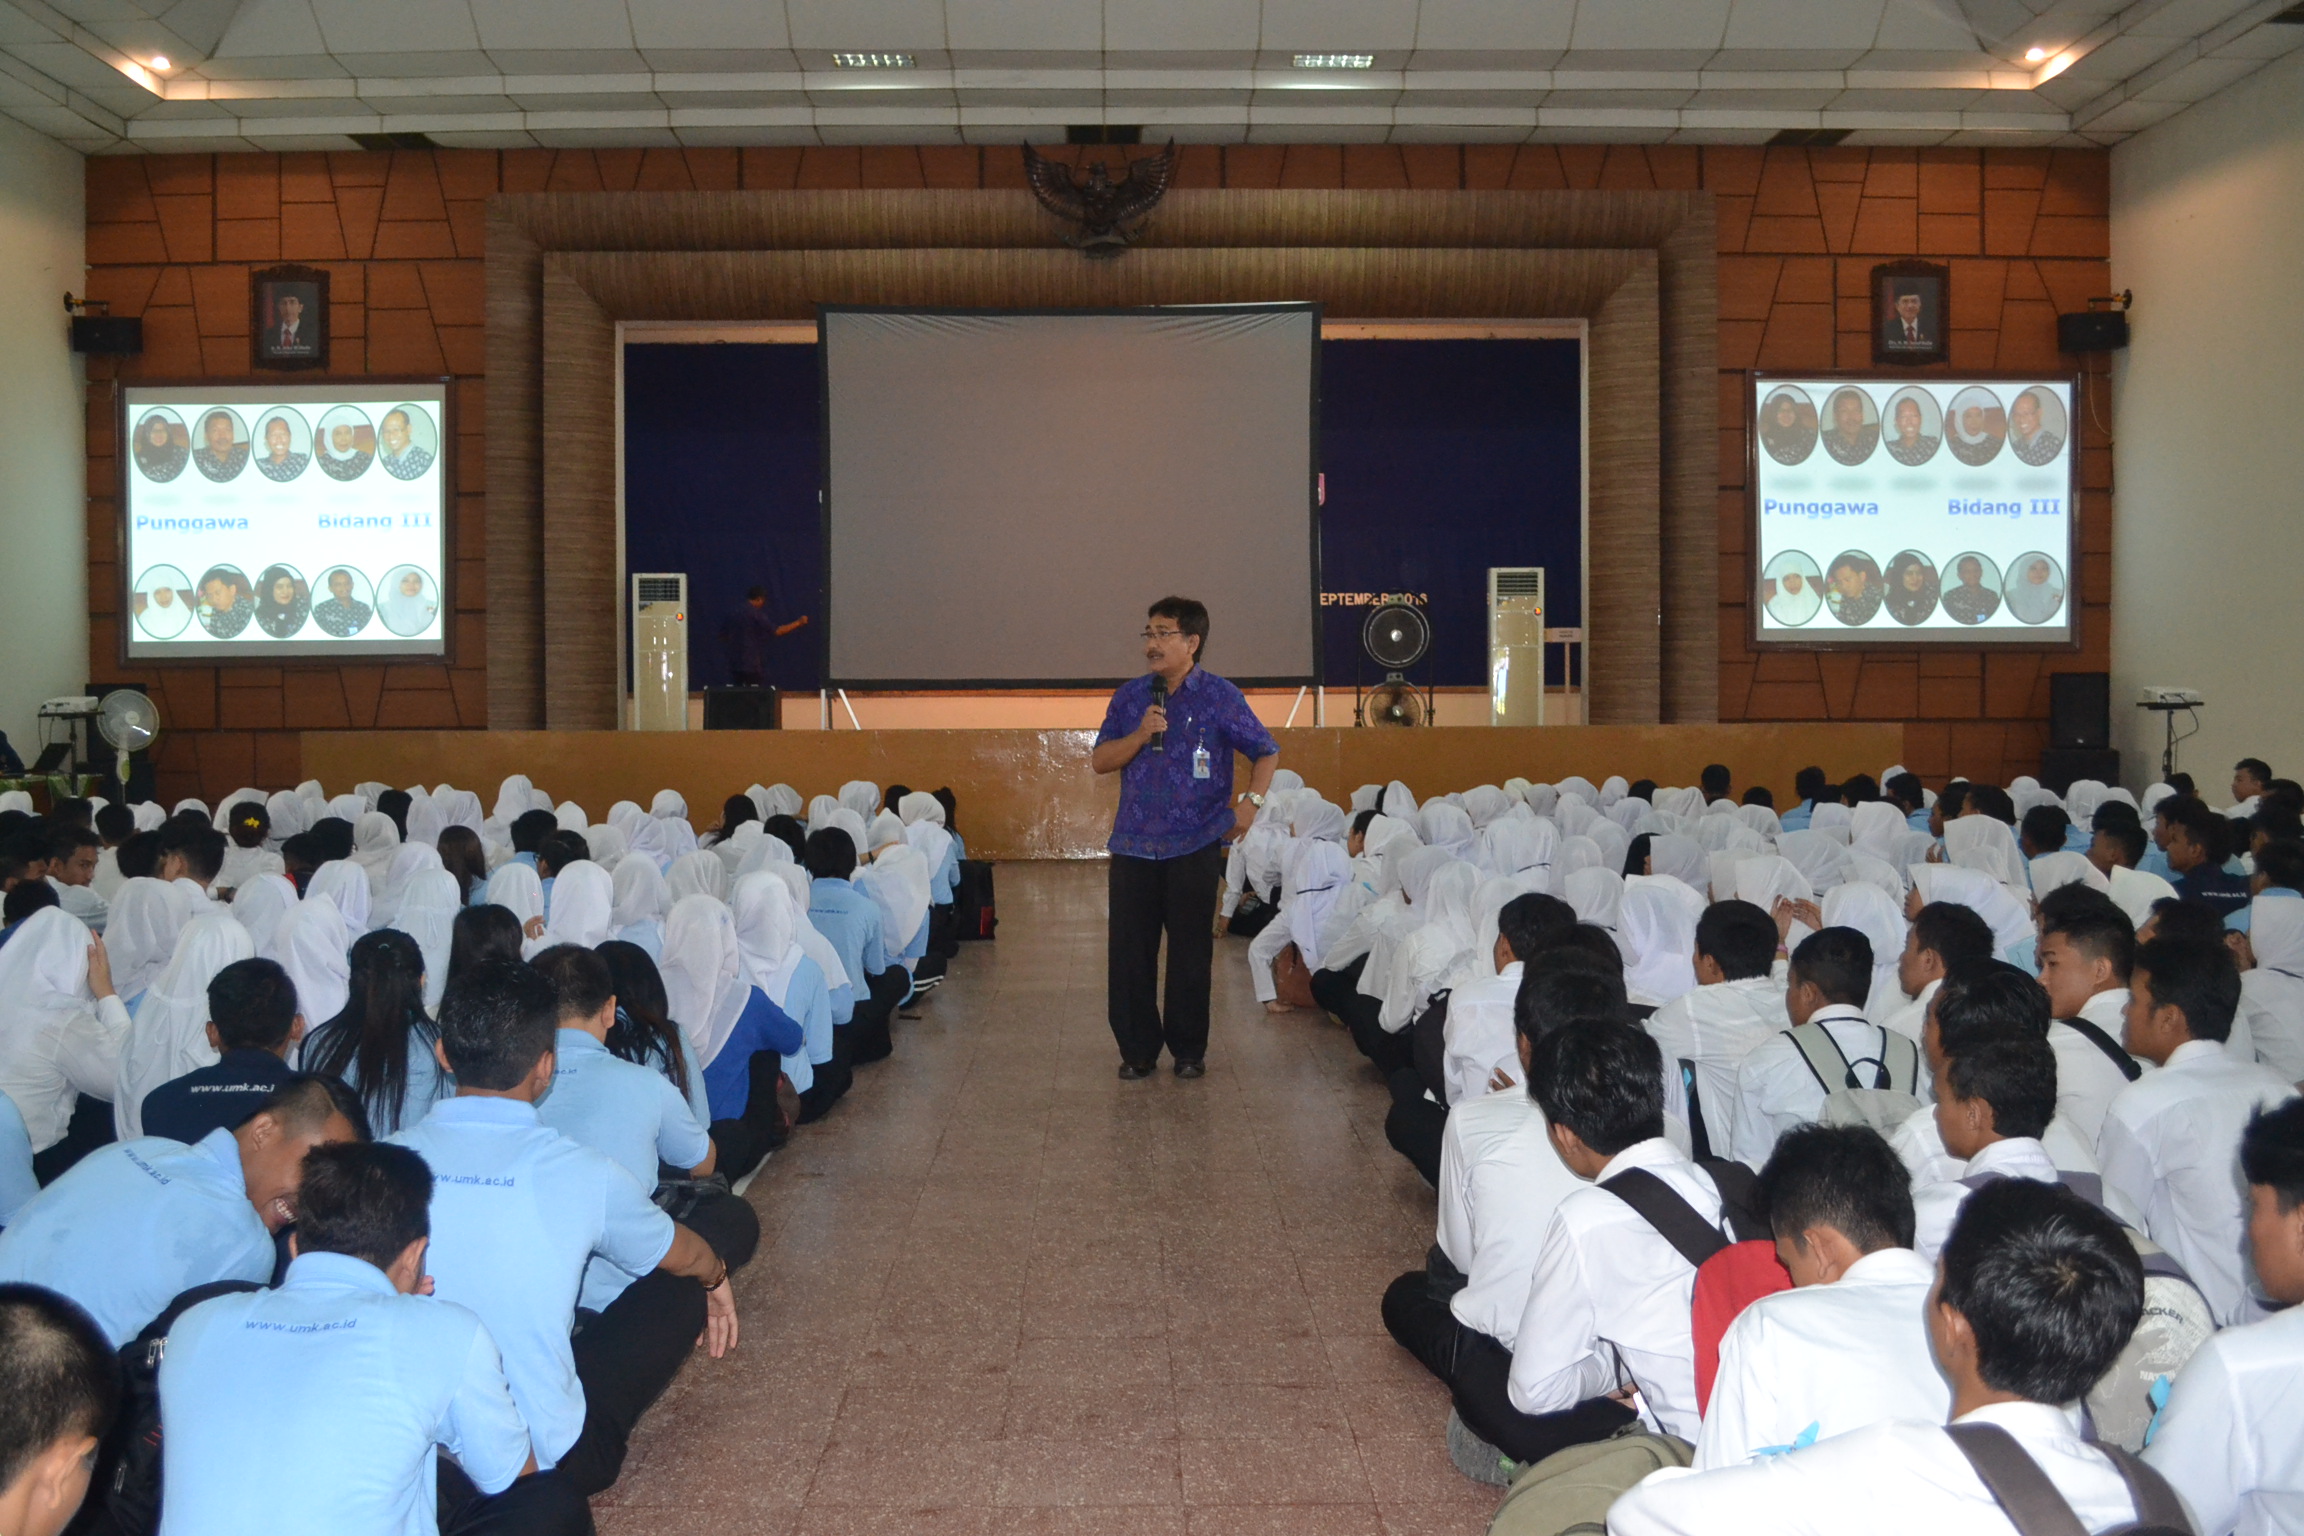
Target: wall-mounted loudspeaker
108	335
2093	330
2080	710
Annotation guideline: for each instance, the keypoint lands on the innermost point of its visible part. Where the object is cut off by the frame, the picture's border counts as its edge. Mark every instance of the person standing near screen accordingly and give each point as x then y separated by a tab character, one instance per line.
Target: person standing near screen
1170	735
749	634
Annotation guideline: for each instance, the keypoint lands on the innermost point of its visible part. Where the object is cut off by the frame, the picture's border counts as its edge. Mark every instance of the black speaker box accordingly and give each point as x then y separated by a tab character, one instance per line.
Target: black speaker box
108	335
2060	767
741	709
2092	330
2080	710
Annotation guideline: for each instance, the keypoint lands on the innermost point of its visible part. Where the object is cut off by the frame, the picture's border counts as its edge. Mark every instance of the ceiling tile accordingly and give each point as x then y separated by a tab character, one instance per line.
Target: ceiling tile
1024	24
1181	26
905	25
2263	42
1537	26
1618	100
1904	101
711	61
1443	133
1121	96
1642	25
2188	18
1690	59
403	27
708	25
1925	25
271	29
2199	80
565	24
1719	100
568	61
274	68
1851	24
731	101
1329	26
418	66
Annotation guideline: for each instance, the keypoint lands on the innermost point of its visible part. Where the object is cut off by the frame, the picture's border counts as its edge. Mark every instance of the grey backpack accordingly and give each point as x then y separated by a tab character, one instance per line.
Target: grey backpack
1880	1090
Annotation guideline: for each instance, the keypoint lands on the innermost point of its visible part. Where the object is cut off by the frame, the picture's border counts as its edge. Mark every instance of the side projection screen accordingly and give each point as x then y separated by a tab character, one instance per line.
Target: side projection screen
1006	491
1911	511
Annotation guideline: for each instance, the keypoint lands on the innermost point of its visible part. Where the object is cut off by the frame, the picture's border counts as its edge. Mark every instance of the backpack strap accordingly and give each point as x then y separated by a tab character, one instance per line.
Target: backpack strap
1699	1139
2015	1481
1832	1072
1661	1206
2129	1067
2157	1506
1740	1203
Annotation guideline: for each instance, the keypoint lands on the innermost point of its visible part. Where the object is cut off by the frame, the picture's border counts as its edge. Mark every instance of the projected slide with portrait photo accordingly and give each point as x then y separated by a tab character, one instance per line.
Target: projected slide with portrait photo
1902	510
260	522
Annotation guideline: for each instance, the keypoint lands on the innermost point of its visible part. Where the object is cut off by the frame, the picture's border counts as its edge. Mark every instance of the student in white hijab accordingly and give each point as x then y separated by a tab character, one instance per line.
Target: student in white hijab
2054	871
897	882
648	841
817	947
2272	991
1822	862
346	884
427	819
923	816
639	900
168	1034
1400	802
608	845
583	894
861	796
1872	912
1401	916
1683	859
1986	843
375	840
767	928
570	816
2008	918
1656	926
62	1023
516	888
427	914
262	907
2135	890
411	860
1322	872
1837	819
316	953
141	933
1432	951
1876	828
698	874
1597	894
1765	879
726	1021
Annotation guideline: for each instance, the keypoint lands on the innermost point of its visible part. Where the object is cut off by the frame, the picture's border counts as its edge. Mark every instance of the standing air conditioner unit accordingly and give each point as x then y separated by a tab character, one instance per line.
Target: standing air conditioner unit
1516	645
660	651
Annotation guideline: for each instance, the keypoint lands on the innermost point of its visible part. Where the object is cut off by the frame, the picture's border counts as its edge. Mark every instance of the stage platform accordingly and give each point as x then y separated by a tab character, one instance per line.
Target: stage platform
1026	794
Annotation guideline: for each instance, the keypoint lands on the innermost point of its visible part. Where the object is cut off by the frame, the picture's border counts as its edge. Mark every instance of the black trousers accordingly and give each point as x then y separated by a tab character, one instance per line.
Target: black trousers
833	1078
1415	1124
1149	897
1334	990
540	1504
90	1128
1389	1051
1477	1371
742	1142
868	1037
625	1357
944	930
728	1225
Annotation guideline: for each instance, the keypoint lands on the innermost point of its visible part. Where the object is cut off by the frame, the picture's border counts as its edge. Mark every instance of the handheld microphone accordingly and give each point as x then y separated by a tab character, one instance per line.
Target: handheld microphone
1159	741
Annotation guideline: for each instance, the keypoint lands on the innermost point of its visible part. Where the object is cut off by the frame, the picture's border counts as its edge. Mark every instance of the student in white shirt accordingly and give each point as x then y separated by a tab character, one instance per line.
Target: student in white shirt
72	870
1500	1182
61	1379
1848	1345
2171	1138
1606	1330
1704	1036
1995	1093
1480	1032
2230	1438
2087	945
1776	1089
1943	933
2039	1294
62	1026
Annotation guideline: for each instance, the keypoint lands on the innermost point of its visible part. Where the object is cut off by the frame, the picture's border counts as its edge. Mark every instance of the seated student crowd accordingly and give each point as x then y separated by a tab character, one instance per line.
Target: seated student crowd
567	1088
1842	1019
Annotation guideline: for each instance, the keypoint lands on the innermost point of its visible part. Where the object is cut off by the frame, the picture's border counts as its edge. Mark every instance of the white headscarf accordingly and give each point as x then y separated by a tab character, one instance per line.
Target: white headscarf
1835	818
1596	894
149	816
262	906
1682	859
1400	802
1656	924
767	933
1820	860
348	808
705	987
861	796
1576	853
1762	878
669	805
638	895
1614	843
821	810
2053	871
288	819
169	1036
919	806
1876	828
375	839
1444	937
812	941
346	884
623	814
412	860
1991	900
1516	845
859	836
646	835
2135	890
897	882
1985	843
514	797
2273	992
582	895
608	845
427	819
140	932
784	800
427	914
1875	914
698	874
570	816
315	951
928	839
189	804
518	890
1321	871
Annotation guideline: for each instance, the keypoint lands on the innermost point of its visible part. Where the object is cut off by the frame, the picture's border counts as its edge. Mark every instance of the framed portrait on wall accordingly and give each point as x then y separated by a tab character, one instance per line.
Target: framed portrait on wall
288	317
1911	312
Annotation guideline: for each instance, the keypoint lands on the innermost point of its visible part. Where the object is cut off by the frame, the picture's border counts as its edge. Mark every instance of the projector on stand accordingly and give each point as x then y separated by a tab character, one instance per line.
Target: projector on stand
2171	698
2167	702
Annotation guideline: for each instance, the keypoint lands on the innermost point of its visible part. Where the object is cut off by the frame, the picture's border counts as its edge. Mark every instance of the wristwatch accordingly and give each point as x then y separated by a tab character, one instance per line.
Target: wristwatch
1253	798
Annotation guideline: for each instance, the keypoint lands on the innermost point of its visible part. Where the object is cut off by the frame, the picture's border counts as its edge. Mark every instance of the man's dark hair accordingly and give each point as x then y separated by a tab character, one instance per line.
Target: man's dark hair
331	838
1739	936
2050	1285
751	593
1715	779
2211	831
138	856
73	811
1993	801
1952	799
2127	841
530	828
1760	794
1836	962
2281	864
2044	828
2285	792
1566	986
2197	978
2181	783
66	840
1641	789
2014	1073
1952	933
59	1376
1906	790
1859	789
1190	616
580	976
559	850
1599	945
1810	783
2179	917
116	823
307	1101
788	830
25	898
496	1022
366	1199
1360	820
2255	766
2114	813
2276	821
1988	999
2092	923
1605	1082
829	854
253	1005
2272	1152
1845	1177
395	803
201	847
1534	923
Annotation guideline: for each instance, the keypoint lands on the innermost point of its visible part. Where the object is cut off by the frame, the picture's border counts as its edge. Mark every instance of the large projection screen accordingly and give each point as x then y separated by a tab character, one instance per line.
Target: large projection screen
1914	511
1006	491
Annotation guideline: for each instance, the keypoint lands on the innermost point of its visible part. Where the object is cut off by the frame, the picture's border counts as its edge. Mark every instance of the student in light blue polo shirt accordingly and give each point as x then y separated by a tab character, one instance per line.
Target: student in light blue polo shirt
632	1115
61	1382
316	1407
850	922
518	1210
136	1224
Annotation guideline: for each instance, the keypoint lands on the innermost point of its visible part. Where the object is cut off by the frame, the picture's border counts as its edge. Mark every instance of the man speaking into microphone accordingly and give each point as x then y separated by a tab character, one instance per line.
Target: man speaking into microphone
1170	735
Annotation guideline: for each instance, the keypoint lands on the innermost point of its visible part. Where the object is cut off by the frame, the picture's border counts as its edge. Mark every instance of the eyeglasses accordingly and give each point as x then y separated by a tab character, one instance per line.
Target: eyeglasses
1162	634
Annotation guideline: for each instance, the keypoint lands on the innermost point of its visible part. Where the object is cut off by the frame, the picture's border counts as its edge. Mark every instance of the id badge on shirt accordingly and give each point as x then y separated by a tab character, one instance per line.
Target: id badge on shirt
1200	761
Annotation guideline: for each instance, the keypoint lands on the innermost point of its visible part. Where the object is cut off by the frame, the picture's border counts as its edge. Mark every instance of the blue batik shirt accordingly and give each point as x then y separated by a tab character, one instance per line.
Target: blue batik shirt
1165	812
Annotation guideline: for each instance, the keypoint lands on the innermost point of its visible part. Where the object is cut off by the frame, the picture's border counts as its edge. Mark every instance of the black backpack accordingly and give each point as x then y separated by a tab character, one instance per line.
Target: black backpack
124	1494
977	915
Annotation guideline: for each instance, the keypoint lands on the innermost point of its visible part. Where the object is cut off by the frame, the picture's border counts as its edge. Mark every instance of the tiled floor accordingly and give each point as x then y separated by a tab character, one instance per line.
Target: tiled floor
1001	1291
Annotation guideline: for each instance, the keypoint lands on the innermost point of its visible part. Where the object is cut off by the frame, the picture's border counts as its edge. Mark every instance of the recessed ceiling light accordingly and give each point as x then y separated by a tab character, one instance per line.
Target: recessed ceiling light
1335	61
2034	55
159	61
874	61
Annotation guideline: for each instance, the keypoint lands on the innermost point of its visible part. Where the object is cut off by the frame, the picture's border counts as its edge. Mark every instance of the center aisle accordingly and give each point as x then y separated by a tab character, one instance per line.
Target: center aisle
1000	1290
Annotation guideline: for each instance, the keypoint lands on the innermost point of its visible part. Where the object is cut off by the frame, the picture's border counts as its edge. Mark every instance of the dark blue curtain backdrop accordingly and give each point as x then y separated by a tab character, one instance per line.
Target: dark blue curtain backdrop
1442	458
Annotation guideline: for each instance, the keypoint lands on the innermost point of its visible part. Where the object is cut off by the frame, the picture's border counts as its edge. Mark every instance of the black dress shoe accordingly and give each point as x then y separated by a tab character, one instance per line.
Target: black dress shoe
1134	1071
1191	1069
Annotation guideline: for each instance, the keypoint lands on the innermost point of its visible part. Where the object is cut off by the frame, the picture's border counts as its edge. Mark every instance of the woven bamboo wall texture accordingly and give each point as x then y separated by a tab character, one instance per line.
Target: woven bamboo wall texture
172	238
